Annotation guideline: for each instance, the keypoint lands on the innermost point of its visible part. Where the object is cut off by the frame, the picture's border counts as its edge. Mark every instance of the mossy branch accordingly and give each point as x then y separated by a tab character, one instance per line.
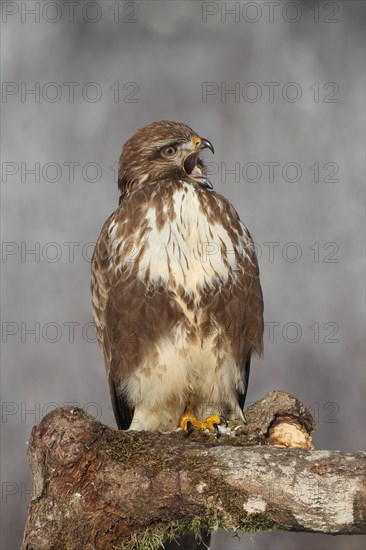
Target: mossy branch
95	487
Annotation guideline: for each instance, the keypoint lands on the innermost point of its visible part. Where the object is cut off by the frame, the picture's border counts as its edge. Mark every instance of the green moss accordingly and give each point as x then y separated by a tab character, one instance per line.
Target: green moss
155	537
136	451
225	513
123	447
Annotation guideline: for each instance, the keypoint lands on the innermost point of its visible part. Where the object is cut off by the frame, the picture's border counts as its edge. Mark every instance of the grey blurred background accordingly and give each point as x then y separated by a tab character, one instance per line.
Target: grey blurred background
111	67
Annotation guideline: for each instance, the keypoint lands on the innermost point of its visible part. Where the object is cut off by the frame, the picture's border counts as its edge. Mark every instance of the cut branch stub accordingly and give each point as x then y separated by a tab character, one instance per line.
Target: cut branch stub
280	419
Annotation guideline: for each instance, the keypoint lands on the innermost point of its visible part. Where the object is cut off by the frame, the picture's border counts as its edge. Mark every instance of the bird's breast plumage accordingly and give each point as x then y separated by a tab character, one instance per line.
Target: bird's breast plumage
184	244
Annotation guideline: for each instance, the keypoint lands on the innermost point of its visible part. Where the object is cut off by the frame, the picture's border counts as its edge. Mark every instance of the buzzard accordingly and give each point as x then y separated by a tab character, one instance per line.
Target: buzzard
176	295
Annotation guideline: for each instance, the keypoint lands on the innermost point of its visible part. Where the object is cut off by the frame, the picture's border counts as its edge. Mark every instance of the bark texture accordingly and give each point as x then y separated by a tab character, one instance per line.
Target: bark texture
94	487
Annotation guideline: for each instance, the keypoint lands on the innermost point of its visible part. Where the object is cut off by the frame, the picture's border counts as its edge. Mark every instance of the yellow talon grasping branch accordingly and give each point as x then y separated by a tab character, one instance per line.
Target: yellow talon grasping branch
188	420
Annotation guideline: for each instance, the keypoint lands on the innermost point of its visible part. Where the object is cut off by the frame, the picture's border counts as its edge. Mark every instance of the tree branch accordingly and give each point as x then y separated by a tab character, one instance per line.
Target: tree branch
96	487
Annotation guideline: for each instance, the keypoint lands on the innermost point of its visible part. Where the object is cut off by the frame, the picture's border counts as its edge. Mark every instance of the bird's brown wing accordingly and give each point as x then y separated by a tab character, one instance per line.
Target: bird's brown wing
102	281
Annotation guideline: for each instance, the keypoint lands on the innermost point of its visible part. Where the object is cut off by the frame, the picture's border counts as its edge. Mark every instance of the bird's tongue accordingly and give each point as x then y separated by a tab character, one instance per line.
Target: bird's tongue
196	173
191	167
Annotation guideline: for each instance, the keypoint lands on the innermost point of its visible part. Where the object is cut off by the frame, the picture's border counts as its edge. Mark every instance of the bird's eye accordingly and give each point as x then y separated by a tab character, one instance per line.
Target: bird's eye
169	151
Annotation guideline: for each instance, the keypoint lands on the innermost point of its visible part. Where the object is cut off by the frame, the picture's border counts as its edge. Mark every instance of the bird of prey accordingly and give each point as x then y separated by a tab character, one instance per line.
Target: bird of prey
176	295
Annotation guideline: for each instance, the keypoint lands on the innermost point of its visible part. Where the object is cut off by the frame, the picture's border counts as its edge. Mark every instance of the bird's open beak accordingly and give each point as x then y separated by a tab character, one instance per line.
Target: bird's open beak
192	164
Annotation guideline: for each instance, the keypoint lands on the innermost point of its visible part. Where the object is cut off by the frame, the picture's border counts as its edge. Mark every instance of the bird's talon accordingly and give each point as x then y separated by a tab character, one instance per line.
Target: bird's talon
223	421
217	431
189	428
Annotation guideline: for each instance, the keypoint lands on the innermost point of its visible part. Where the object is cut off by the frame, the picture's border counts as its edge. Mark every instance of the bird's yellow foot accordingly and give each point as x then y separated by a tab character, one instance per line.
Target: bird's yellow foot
188	422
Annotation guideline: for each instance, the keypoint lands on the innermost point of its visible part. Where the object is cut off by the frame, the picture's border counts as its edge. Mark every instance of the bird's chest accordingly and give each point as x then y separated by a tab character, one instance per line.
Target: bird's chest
191	248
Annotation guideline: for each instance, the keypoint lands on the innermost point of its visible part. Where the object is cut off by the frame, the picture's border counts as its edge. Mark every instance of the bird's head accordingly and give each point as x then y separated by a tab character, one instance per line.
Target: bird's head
161	151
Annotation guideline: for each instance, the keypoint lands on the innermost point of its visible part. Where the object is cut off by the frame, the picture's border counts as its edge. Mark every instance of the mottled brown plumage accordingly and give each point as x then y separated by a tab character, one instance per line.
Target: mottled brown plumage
176	295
